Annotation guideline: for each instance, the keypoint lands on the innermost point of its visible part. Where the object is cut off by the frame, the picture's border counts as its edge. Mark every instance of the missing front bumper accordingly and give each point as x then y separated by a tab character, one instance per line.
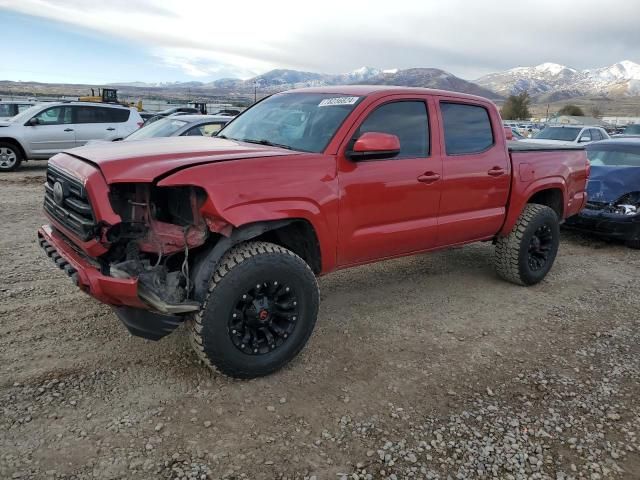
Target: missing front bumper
622	227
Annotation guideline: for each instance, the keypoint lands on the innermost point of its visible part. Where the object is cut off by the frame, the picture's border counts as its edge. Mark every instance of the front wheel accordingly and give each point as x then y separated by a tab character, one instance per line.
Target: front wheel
526	255
259	312
10	157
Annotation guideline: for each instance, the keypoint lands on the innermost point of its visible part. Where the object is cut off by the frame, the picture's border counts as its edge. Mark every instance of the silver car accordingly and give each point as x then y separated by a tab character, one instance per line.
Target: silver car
181	125
44	130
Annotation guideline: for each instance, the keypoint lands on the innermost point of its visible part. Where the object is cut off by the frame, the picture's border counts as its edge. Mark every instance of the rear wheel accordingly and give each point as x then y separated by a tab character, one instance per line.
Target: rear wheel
259	312
526	255
10	157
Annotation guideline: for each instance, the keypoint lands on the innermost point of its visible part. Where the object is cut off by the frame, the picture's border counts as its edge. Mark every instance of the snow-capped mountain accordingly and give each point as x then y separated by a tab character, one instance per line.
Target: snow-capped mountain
430	78
277	80
360	74
283	79
551	81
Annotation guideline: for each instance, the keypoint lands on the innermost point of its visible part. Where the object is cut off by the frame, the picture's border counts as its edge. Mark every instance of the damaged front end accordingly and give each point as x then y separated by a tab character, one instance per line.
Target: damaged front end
152	243
619	219
129	245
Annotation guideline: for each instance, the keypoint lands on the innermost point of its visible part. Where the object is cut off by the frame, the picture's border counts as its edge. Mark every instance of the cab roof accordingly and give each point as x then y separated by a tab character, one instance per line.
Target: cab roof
383	90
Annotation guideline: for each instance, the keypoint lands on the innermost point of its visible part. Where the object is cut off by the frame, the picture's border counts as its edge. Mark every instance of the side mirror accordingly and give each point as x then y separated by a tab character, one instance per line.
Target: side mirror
508	133
584	138
375	145
33	121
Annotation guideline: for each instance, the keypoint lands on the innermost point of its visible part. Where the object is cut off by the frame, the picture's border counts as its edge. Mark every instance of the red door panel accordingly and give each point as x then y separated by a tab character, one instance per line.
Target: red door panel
387	207
475	186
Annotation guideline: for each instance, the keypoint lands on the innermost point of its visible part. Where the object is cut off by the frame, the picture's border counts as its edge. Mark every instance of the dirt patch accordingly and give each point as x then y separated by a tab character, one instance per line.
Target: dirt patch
420	367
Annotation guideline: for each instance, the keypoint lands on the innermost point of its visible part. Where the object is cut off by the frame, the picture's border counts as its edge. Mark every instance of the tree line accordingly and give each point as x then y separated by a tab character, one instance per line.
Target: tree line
516	107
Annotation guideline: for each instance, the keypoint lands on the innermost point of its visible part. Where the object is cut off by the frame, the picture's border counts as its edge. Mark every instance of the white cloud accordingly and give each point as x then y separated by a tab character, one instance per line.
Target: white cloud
469	38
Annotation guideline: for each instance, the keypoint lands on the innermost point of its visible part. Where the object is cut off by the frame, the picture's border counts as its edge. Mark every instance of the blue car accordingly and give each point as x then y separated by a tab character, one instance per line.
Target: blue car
613	206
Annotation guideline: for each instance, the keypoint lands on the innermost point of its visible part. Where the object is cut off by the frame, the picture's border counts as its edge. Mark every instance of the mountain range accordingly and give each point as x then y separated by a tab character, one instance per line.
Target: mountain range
547	82
552	82
282	79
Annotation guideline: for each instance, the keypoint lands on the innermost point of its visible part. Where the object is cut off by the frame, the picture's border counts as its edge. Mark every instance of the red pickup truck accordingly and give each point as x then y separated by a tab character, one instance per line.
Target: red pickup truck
228	234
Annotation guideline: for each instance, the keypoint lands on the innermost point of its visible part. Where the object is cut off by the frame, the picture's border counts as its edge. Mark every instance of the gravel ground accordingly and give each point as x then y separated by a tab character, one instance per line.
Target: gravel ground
423	367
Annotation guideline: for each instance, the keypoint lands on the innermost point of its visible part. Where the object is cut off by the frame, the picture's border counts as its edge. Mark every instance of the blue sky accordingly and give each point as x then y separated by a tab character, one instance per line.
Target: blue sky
84	41
50	51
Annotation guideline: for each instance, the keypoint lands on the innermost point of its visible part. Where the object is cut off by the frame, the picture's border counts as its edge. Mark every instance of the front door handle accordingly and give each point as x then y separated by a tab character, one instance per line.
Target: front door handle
111	129
429	177
496	171
68	129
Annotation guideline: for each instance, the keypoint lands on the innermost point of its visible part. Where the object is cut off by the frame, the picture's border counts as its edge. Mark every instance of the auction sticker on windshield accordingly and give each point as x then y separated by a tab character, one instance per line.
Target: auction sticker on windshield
327	102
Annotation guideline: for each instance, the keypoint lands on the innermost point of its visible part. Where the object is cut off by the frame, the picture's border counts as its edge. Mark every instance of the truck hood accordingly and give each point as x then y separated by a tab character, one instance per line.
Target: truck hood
608	184
146	160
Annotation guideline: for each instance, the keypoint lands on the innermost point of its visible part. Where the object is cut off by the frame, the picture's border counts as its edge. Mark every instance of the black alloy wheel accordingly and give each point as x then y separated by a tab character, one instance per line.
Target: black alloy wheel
540	247
264	318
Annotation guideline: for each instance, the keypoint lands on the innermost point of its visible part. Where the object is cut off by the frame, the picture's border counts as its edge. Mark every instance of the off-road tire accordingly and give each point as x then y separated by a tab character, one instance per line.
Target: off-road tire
15	152
244	265
512	251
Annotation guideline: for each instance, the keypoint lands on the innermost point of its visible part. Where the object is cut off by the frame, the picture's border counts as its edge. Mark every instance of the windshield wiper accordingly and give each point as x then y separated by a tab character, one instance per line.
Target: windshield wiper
266	142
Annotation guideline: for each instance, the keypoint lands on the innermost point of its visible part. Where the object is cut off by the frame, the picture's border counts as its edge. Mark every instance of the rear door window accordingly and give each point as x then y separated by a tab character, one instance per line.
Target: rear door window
407	120
595	134
467	128
88	115
92	114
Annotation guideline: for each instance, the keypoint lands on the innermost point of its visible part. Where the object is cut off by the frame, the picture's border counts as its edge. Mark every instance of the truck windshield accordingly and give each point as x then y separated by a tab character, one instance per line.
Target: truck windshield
614	155
299	121
566	134
165	127
632	130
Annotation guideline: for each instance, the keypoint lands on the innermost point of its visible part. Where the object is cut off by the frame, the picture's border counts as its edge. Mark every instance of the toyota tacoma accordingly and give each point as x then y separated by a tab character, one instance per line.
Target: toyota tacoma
228	234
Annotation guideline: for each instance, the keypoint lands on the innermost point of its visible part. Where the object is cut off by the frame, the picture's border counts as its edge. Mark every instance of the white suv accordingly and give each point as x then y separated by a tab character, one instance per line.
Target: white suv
569	135
44	130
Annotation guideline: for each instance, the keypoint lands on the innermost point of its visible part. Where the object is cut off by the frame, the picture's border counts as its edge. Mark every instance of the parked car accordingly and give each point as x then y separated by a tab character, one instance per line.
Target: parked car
10	108
231	112
173	111
189	125
632	130
228	233
613	208
569	135
147	115
176	126
517	135
44	130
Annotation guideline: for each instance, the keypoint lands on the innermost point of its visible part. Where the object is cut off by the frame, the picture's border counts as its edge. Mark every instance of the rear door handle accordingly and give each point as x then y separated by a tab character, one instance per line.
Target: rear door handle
111	129
68	129
496	171
429	177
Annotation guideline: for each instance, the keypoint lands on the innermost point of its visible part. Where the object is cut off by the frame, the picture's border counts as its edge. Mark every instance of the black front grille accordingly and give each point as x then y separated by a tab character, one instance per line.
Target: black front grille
70	205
